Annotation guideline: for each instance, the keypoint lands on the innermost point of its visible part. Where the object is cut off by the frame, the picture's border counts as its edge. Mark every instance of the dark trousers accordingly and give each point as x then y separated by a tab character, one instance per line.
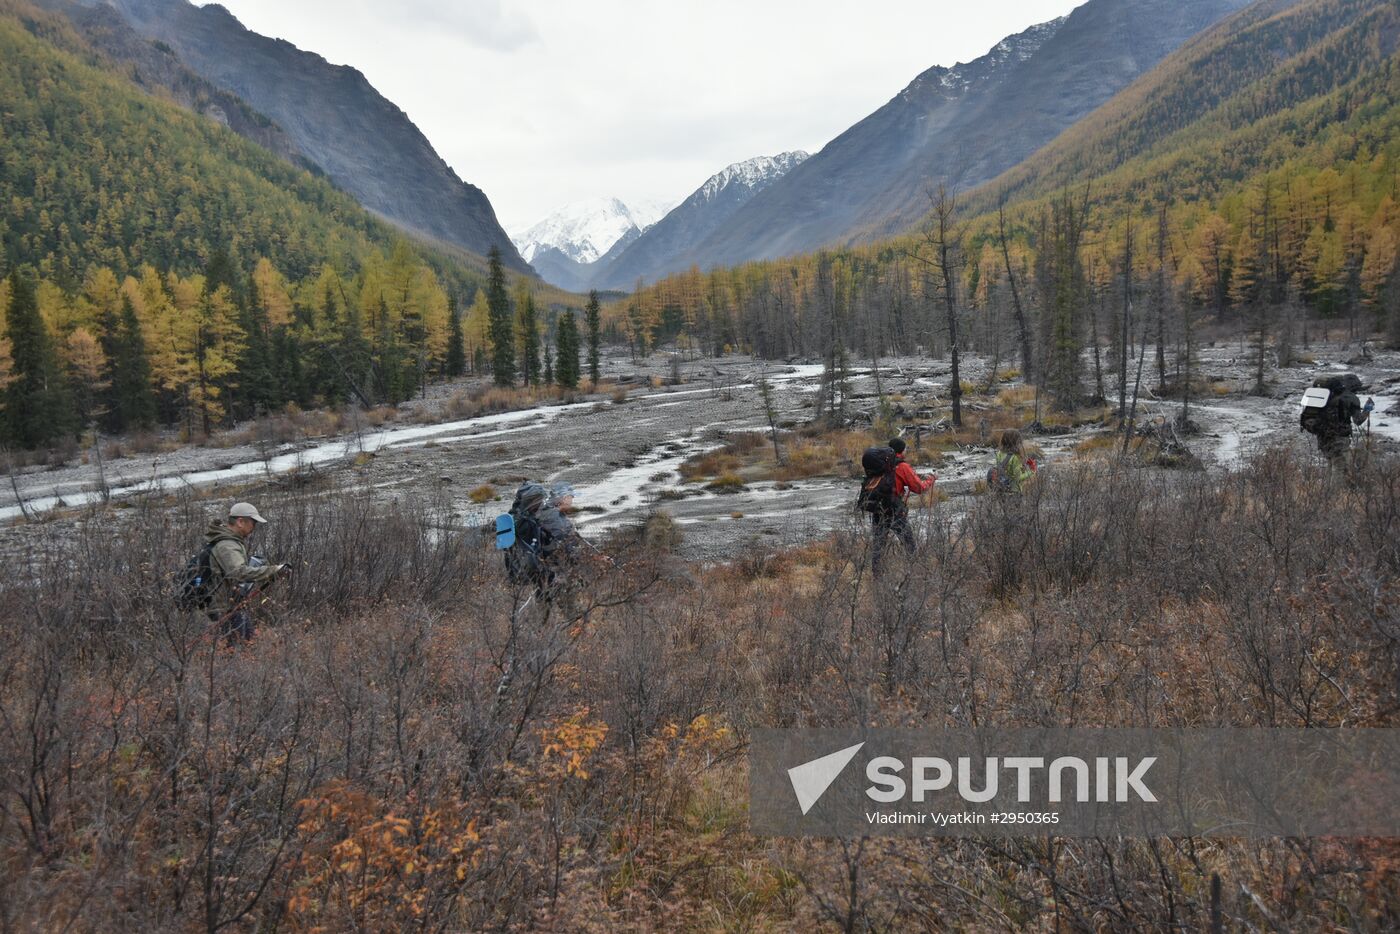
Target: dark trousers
238	628
881	525
1334	445
235	625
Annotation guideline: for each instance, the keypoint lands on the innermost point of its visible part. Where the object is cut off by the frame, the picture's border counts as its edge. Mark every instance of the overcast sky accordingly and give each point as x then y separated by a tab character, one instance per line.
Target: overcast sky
552	101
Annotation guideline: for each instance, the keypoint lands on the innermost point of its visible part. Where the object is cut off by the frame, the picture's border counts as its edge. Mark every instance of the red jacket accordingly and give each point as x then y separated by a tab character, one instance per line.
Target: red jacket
906	481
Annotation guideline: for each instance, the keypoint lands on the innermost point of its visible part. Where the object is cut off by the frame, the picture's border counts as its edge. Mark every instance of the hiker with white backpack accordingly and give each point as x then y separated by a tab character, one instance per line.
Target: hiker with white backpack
1330	408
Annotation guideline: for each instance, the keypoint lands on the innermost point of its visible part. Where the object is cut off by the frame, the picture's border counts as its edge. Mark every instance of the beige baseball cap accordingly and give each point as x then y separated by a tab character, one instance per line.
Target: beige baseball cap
242	510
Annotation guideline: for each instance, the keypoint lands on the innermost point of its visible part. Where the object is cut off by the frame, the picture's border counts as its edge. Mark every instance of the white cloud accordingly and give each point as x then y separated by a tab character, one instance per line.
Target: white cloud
553	101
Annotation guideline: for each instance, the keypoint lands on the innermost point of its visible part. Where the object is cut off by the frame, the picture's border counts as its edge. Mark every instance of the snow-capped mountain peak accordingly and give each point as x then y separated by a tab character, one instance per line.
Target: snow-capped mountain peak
750	174
585	230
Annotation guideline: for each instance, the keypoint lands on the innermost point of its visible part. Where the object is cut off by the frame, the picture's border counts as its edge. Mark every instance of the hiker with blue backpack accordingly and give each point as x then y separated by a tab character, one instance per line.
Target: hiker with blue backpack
1011	468
538	538
889	480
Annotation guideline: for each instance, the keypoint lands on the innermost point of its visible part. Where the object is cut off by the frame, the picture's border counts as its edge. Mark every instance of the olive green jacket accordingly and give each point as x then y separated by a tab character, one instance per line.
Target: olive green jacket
1016	469
228	558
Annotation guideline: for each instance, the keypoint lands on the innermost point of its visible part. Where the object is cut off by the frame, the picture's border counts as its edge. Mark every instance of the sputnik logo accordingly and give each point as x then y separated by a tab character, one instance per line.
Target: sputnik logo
810	780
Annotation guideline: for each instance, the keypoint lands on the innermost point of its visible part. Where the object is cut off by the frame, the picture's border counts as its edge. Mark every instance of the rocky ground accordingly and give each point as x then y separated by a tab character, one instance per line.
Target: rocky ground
623	453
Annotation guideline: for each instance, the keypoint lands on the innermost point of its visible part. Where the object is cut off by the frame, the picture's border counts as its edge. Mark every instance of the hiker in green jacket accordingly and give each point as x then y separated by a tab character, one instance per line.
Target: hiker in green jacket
1012	468
234	571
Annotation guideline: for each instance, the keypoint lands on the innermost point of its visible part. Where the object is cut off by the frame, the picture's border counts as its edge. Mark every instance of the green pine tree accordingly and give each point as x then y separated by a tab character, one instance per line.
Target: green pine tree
220	270
390	378
257	382
529	343
456	363
351	357
499	323
593	319
38	409
286	350
132	404
566	370
413	351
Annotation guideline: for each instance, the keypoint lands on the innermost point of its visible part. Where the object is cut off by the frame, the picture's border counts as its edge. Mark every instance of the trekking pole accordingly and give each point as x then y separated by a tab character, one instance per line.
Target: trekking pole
599	553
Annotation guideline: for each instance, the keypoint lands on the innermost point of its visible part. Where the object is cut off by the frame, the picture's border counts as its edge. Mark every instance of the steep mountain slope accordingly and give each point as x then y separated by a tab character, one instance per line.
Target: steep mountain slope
662	248
96	172
154	67
1284	81
558	268
964	125
1268	148
334	117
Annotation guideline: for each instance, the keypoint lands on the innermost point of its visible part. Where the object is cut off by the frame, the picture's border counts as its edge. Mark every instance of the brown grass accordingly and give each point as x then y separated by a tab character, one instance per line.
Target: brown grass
491	400
727	483
403	746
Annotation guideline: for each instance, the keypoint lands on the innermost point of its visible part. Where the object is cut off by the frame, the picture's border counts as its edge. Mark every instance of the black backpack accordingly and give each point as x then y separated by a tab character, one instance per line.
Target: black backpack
525	558
1329	419
195	584
1317	420
877	489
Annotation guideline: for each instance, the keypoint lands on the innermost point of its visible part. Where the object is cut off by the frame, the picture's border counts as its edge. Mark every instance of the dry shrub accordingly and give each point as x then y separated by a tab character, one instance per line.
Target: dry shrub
489	400
727	483
1016	396
739	449
757	561
711	464
378	416
810	459
482	494
661	533
840	448
1109	443
404	746
747	442
140	442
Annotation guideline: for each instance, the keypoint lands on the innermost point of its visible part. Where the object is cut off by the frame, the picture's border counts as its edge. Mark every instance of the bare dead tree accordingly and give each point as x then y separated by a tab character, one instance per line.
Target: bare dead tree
1159	297
1125	327
765	393
1022	328
939	250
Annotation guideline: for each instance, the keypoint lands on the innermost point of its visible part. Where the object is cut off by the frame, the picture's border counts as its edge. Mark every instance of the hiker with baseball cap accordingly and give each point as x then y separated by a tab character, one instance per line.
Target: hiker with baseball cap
232	569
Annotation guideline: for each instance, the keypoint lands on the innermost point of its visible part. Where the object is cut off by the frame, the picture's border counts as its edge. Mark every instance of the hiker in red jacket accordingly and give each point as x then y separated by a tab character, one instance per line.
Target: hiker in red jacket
906	481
